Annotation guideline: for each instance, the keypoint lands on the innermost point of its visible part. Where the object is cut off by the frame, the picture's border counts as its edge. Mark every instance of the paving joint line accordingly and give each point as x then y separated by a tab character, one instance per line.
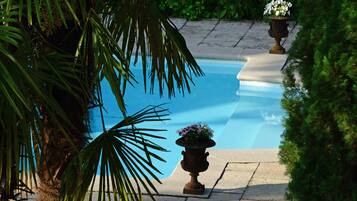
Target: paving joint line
251	178
286	61
284	66
174	196
219	178
184	24
204	38
285	39
228	193
249	162
241	38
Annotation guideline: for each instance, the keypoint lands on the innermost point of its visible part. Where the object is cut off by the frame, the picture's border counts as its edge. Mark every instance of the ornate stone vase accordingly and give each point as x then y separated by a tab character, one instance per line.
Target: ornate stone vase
278	30
195	161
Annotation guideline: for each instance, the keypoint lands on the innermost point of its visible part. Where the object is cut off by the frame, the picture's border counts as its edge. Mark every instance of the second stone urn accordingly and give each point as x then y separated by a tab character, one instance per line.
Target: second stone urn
195	161
278	30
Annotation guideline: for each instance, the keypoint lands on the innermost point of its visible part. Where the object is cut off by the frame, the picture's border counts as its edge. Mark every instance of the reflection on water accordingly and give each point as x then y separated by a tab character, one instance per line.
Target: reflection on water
271	118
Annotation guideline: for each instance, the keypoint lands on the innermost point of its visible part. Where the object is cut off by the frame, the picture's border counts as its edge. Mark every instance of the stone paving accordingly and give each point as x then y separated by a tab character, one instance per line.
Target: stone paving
259	181
233	175
258	176
243	35
244	40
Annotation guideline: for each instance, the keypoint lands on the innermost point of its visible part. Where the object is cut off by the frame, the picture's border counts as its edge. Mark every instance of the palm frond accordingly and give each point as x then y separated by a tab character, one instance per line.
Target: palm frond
22	95
141	28
122	157
45	13
109	60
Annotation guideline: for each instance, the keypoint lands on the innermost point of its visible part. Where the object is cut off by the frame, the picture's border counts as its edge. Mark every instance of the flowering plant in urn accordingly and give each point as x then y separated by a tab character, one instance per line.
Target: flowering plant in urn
195	138
279	11
278	8
196	132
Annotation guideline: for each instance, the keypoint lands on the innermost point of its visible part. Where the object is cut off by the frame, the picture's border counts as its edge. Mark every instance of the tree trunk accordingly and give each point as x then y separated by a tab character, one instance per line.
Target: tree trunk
48	192
57	150
50	167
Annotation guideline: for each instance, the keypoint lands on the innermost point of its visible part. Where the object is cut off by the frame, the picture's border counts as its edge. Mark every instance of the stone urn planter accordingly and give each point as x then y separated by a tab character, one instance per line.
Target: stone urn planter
278	30
195	161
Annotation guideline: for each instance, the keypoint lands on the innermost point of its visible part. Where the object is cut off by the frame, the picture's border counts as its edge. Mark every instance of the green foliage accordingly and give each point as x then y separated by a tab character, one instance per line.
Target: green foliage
227	9
222	9
53	57
320	140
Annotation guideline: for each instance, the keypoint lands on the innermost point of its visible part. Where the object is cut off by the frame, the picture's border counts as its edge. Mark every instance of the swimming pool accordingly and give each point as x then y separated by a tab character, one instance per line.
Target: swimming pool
243	115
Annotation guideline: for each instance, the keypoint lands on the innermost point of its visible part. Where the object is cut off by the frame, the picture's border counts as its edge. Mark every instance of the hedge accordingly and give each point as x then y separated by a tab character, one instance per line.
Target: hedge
227	9
320	139
221	9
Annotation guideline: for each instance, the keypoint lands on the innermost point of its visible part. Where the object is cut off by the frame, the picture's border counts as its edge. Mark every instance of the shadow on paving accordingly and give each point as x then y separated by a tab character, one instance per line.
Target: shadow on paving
261	192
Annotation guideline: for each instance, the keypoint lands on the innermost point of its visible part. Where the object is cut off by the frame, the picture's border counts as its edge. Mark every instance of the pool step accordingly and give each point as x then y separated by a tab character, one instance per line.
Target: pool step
255	121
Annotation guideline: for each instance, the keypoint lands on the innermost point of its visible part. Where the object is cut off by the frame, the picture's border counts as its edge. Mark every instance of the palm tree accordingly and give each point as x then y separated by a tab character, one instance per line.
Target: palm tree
54	55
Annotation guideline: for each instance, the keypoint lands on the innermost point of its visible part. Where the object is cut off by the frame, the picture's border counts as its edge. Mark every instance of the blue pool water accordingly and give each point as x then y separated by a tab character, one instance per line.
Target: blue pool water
243	115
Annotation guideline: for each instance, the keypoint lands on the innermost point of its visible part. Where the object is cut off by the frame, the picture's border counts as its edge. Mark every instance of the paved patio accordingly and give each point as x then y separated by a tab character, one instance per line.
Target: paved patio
233	175
245	40
258	181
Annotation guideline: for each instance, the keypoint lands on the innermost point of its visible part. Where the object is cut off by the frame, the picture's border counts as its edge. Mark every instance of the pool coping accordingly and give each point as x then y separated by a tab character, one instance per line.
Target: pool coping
259	66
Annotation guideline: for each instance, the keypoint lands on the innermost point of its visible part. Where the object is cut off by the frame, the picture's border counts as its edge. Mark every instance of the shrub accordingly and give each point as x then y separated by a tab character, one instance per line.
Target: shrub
227	9
320	140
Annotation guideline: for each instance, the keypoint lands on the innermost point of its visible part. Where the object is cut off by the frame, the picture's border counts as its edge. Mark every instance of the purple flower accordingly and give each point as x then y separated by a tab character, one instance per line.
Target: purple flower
196	132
